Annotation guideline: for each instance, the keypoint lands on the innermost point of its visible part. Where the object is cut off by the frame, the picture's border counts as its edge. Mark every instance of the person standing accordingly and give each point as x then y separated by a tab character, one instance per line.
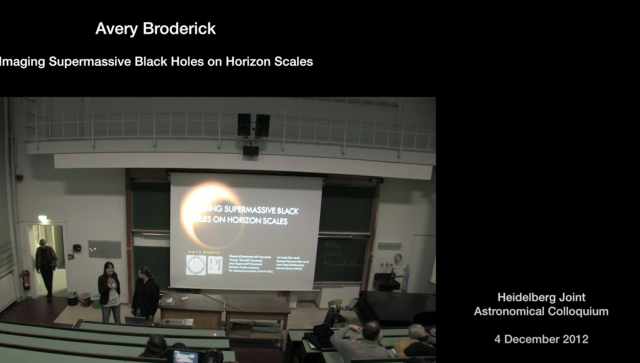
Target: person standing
146	296
46	262
109	289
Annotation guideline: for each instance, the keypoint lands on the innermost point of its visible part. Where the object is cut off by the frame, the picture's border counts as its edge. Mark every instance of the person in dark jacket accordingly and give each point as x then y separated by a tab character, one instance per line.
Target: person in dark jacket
109	289
146	295
46	262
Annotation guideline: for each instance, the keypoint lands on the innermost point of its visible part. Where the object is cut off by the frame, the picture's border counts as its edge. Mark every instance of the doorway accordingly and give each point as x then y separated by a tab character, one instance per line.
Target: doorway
54	235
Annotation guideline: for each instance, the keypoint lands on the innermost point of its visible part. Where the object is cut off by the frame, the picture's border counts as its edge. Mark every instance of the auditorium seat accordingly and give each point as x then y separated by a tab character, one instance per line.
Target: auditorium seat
113	337
339	319
89	347
335	303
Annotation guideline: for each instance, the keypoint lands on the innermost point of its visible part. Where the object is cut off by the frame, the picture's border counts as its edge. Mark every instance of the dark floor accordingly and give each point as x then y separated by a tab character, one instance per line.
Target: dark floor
36	311
39	312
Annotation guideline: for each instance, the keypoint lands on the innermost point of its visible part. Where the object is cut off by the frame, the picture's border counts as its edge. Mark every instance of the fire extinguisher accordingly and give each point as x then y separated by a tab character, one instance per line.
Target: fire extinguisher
26	280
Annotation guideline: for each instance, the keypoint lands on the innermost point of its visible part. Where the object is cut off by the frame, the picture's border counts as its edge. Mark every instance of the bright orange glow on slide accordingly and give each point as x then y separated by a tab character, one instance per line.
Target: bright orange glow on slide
193	205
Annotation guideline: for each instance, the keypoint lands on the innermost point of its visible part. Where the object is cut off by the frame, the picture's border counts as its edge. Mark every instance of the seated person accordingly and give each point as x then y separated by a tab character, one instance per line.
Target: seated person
416	331
426	346
156	347
369	347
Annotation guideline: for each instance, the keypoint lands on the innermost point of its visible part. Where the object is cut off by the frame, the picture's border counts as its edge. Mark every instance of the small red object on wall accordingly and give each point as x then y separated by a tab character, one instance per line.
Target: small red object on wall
26	278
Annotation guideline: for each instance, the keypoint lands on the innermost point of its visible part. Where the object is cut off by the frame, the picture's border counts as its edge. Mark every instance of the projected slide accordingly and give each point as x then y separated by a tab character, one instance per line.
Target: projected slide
244	232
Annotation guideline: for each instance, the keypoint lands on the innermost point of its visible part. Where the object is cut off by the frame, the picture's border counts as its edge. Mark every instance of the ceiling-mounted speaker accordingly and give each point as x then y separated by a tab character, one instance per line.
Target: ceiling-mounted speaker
244	124
262	126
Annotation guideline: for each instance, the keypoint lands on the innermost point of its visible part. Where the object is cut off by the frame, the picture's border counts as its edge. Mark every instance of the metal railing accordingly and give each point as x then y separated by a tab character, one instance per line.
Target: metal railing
345	122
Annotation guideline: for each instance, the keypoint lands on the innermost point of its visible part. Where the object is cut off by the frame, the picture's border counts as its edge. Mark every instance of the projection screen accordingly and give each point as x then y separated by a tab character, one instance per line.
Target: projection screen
244	232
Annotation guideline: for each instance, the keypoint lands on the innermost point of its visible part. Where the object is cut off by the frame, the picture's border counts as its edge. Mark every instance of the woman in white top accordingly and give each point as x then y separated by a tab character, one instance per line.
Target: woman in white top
109	288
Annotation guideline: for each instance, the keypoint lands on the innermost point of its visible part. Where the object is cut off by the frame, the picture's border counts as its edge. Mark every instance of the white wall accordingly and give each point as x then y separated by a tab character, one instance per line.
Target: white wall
406	209
204	160
90	201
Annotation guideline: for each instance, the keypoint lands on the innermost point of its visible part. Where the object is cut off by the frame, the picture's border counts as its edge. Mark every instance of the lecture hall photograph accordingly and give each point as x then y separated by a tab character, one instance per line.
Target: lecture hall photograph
218	229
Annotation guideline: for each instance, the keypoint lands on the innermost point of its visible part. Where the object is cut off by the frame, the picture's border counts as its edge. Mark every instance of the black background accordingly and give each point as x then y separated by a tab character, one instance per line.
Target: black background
349	57
531	197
